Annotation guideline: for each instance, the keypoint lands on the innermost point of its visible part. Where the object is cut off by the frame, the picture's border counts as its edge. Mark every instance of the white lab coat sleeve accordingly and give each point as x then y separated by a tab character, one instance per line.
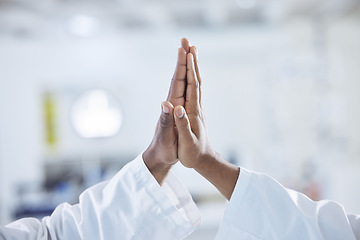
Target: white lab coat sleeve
132	205
261	208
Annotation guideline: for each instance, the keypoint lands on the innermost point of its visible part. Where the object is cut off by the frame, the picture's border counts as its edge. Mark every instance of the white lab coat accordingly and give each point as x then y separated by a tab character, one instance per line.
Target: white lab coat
261	208
133	206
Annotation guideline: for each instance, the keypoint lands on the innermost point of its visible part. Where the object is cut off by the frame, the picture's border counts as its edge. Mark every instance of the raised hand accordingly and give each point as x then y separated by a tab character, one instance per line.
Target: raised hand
162	152
194	150
193	142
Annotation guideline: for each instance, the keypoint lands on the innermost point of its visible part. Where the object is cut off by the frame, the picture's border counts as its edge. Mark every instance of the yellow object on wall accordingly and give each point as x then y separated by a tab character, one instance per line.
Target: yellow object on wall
49	111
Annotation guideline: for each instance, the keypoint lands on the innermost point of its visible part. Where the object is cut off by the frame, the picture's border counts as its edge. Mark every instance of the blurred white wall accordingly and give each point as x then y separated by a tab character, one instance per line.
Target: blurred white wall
280	92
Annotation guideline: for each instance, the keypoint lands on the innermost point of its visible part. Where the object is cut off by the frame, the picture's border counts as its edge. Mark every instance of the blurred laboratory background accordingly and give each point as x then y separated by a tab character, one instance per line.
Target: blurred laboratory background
81	84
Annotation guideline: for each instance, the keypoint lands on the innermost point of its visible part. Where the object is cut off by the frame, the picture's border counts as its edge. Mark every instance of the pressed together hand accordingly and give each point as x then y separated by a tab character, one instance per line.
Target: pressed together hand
162	152
181	131
194	150
193	143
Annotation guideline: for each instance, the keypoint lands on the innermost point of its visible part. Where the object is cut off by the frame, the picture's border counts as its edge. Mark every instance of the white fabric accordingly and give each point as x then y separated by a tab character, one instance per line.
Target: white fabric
261	208
132	205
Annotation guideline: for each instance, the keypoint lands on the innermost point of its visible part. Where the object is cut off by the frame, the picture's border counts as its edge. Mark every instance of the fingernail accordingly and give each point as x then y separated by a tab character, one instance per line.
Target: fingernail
179	112
165	109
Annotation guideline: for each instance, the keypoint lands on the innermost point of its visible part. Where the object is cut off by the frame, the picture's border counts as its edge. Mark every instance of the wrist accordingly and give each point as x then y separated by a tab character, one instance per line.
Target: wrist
222	174
156	165
206	161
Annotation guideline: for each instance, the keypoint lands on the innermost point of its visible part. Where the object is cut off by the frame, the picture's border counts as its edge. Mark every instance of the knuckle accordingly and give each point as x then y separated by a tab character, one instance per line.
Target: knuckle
196	113
183	123
194	83
164	121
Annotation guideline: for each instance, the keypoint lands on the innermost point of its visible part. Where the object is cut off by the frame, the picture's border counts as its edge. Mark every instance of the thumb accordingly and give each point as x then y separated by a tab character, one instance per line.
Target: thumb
165	131
182	123
166	120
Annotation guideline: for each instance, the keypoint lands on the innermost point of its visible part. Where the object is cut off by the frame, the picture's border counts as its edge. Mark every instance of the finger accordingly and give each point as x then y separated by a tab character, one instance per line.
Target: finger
185	44
195	53
165	128
166	120
183	124
178	82
192	91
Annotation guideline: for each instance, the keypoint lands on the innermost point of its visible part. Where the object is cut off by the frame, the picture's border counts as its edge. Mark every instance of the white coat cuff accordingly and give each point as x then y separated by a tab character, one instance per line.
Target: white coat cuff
174	200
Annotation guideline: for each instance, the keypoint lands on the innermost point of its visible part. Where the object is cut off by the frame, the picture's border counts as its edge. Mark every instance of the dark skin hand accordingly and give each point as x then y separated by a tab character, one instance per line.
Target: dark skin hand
181	131
194	149
162	152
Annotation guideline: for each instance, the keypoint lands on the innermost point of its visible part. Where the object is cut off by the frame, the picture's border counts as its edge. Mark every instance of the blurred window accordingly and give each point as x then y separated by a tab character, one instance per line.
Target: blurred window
96	114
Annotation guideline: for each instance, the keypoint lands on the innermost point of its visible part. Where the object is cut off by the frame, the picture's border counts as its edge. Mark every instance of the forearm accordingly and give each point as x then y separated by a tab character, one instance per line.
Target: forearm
129	206
222	174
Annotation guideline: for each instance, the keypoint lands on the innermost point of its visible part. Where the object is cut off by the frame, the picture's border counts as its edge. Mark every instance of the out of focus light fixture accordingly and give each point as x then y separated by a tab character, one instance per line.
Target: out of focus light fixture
83	25
96	114
246	4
